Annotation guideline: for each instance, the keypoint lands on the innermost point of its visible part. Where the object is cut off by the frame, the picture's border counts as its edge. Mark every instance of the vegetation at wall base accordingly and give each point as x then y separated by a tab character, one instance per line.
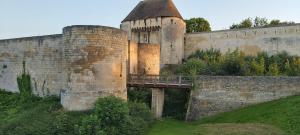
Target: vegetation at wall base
24	84
45	116
175	103
280	117
236	63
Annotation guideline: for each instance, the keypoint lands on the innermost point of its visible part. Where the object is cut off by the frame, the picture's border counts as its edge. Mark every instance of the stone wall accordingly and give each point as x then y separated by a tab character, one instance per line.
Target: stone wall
80	65
43	56
271	40
148	59
172	42
168	32
216	94
133	57
97	65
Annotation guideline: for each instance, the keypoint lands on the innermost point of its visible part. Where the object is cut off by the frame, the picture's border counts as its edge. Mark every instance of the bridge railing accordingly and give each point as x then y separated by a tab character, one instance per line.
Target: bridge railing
173	80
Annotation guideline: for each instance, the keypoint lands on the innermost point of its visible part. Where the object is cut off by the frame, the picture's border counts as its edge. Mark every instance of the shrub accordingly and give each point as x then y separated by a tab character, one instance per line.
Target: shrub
194	67
24	84
114	116
212	62
140	95
90	125
140	110
113	113
63	125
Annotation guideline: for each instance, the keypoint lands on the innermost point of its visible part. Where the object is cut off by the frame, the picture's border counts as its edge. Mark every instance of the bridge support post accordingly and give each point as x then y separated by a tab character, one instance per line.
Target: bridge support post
157	105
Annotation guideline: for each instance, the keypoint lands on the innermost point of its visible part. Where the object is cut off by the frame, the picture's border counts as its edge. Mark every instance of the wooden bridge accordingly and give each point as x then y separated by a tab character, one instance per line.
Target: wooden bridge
160	81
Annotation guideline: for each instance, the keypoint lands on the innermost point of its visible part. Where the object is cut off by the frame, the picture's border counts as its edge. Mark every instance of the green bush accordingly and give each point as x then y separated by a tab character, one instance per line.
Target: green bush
212	62
90	125
113	113
194	67
114	116
24	84
140	95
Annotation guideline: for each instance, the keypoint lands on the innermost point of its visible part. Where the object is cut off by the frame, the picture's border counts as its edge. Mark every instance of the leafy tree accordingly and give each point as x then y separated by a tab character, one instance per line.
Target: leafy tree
260	22
247	23
197	25
274	22
277	22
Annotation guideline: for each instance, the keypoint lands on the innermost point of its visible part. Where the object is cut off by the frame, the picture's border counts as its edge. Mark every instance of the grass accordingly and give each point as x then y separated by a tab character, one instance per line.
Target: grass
36	117
276	118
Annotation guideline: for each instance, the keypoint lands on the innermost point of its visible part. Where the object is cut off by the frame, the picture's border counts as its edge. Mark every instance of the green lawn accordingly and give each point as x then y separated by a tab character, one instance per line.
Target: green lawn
274	118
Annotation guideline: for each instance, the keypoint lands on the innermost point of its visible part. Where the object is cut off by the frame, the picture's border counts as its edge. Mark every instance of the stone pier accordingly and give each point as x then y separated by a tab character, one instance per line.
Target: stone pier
158	97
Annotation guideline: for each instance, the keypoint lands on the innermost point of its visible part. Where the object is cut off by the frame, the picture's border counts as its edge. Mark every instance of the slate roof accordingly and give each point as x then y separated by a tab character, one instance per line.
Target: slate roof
152	9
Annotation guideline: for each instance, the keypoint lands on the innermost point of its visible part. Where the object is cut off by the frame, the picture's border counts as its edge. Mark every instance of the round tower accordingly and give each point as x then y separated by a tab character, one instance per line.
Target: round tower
96	57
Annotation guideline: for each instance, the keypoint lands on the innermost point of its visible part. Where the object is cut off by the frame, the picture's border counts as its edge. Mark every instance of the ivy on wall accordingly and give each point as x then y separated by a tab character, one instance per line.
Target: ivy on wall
24	84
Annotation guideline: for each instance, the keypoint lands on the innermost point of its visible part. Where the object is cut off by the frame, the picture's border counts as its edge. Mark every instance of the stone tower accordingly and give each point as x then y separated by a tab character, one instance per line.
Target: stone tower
157	22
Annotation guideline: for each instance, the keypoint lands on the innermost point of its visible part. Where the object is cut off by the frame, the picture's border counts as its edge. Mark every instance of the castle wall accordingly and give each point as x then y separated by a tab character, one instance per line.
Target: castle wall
148	59
172	44
271	40
97	65
216	94
133	57
168	32
43	56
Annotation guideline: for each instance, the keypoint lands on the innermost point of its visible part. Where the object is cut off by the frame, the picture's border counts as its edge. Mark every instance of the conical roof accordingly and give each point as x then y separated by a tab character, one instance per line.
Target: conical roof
152	9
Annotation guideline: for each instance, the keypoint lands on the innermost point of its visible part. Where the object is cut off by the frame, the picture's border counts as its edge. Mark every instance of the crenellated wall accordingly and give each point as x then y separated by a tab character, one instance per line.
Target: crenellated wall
251	41
217	94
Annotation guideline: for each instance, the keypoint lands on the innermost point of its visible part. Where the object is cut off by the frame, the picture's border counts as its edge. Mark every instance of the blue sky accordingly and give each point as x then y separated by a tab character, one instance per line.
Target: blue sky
21	18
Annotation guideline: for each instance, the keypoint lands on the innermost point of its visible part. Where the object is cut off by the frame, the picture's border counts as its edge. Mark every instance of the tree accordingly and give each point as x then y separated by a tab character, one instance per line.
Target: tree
274	22
247	23
277	22
197	25
260	22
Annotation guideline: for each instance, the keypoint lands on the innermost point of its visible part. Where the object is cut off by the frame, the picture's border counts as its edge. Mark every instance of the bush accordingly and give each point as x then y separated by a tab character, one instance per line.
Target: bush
212	62
113	113
140	110
90	125
140	95
193	67
114	116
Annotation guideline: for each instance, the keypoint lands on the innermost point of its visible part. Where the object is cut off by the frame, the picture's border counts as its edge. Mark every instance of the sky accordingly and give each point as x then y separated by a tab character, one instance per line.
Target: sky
23	18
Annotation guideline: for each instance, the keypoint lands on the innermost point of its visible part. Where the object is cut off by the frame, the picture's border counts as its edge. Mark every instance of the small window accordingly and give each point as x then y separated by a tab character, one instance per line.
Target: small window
172	21
146	38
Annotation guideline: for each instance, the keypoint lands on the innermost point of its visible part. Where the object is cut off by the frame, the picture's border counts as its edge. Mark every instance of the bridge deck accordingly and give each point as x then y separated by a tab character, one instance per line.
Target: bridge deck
159	81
